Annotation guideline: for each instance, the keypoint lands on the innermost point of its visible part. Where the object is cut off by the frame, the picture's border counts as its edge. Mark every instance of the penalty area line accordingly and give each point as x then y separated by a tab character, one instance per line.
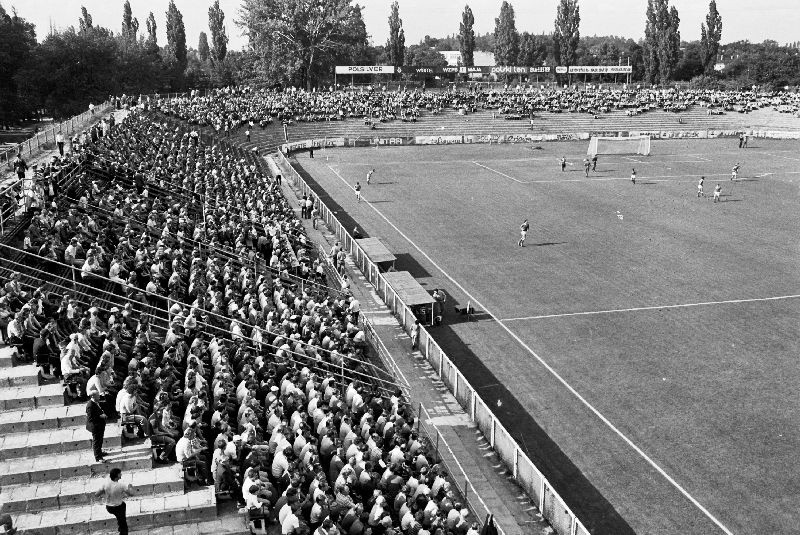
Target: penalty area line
638	309
500	173
553	372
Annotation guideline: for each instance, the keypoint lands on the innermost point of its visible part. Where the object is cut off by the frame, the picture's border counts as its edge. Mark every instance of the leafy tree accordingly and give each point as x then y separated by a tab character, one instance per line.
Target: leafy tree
506	46
710	36
532	50
396	45
219	40
691	63
466	38
17	41
485	42
424	56
176	37
203	51
295	42
70	69
567	33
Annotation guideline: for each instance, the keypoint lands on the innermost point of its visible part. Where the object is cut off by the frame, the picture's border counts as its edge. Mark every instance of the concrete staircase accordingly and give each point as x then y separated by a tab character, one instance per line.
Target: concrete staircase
48	475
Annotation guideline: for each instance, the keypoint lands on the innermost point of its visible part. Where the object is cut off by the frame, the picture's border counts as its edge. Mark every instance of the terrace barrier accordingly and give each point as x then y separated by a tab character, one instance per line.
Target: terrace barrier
48	135
521	468
380	139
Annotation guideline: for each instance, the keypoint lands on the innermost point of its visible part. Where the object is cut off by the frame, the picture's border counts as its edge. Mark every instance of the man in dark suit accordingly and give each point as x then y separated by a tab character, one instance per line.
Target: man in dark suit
96	425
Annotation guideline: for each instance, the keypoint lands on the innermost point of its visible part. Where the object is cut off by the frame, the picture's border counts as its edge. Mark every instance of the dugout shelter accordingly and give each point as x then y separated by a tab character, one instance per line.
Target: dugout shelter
377	252
412	294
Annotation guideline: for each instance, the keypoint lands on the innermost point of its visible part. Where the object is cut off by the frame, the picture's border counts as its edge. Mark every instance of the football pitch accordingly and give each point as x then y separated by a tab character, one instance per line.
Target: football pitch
643	346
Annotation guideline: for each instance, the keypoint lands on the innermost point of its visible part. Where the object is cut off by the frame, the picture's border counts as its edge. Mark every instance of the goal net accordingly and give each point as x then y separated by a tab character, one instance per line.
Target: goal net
619	145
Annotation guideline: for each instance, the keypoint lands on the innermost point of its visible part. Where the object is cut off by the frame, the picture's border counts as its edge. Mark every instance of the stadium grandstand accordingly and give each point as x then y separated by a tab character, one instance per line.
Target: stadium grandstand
159	270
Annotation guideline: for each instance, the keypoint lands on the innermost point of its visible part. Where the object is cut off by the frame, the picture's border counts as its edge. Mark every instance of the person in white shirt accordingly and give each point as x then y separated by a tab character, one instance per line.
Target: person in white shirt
188	448
128	406
115	493
291	523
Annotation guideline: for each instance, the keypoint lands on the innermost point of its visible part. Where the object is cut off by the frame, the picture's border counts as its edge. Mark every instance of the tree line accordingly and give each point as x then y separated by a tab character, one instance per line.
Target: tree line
298	43
86	63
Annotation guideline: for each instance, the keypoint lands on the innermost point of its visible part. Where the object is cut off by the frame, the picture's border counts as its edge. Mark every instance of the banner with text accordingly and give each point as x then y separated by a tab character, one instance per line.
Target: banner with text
364	69
600	69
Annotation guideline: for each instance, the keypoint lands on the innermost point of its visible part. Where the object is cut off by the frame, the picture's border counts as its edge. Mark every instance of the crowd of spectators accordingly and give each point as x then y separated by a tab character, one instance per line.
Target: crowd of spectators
201	318
229	108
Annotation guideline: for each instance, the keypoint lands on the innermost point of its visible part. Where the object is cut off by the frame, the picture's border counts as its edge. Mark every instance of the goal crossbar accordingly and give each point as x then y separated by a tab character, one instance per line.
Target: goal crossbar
619	145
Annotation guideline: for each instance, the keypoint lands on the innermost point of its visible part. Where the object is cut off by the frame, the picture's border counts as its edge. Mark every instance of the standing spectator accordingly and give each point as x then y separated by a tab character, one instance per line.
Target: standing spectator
309	207
60	143
115	493
96	425
440	298
20	166
415	335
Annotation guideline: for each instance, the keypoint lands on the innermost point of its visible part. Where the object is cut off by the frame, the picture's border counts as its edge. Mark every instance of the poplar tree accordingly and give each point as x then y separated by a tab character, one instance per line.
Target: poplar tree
567	34
176	36
396	45
466	38
202	47
506	38
219	40
710	37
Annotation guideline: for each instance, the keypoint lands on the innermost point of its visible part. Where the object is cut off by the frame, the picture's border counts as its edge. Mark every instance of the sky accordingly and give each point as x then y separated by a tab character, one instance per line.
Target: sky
755	20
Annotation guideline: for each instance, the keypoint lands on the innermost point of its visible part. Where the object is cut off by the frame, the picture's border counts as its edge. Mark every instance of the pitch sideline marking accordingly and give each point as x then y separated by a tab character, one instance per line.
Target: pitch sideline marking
554	373
661	178
638	309
499	173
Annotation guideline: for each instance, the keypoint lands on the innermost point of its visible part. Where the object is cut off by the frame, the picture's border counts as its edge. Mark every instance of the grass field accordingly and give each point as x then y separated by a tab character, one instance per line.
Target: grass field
644	343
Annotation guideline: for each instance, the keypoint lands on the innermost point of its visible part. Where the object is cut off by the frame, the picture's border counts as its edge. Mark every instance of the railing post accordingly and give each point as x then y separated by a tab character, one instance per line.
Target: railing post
516	461
541	494
473	404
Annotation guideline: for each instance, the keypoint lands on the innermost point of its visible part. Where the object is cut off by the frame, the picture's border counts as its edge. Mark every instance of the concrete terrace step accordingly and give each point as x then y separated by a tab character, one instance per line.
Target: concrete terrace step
7	354
72	464
142	512
31	397
25	420
26	375
54	441
36	497
229	525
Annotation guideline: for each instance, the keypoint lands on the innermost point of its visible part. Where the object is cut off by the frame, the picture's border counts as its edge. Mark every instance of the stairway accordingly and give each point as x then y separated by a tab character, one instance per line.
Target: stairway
48	475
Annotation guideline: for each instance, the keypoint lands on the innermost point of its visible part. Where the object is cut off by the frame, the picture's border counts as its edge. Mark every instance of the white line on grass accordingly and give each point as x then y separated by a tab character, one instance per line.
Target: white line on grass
638	309
660	178
553	372
499	173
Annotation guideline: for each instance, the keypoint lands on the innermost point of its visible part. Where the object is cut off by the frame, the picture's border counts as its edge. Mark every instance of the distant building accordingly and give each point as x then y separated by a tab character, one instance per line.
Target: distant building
482	59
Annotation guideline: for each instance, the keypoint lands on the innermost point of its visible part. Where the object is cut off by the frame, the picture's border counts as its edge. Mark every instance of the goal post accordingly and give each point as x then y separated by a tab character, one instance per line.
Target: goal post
619	145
